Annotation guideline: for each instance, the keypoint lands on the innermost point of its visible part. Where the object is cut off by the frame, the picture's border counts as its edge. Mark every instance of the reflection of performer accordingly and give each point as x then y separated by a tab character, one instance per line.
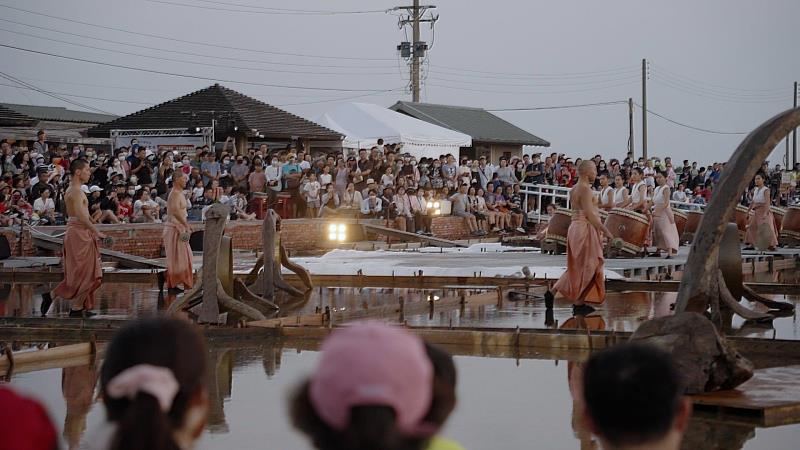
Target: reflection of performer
583	280
82	272
665	232
575	380
761	225
77	385
175	237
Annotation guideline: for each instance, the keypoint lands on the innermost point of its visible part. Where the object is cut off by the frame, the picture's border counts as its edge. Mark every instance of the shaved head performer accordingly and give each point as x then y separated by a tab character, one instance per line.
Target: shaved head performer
175	236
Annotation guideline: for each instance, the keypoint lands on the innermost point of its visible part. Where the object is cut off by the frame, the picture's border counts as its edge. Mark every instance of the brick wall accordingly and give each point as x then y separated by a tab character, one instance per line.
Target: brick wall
450	227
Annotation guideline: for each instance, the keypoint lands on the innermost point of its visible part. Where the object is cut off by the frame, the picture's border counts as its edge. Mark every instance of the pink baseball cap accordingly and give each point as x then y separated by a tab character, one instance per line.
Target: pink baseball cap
371	363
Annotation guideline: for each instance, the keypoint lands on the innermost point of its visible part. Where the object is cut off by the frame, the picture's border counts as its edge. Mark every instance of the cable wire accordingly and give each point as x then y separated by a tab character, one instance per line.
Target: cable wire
262	10
185	41
541	108
183	75
704	130
49	94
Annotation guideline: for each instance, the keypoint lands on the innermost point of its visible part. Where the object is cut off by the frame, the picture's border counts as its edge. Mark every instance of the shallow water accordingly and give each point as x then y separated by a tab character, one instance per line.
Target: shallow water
503	404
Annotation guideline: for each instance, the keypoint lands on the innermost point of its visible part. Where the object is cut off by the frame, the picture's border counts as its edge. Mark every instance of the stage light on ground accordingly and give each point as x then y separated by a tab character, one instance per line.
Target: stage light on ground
337	232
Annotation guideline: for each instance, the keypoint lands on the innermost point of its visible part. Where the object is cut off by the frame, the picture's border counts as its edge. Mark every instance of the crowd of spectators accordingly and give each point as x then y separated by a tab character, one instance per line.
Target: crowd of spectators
130	184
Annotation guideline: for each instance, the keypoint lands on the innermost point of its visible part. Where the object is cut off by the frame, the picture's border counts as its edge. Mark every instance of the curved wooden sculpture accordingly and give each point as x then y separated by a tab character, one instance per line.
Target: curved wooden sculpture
702	285
211	290
266	274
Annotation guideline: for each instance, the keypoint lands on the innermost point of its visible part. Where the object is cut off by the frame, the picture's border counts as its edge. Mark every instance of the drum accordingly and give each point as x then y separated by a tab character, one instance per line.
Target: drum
558	226
740	219
603	215
629	226
790	226
777	217
680	221
693	219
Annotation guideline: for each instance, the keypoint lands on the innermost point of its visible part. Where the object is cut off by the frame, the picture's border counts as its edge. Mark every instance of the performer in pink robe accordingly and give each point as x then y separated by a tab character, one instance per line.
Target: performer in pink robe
665	232
761	225
175	237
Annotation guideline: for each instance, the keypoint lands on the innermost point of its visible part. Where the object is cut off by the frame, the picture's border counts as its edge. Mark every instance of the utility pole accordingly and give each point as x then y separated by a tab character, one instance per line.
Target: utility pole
794	134
415	60
644	109
415	49
631	142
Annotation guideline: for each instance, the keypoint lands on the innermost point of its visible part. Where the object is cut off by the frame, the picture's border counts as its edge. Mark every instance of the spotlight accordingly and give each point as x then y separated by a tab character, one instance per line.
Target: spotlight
337	232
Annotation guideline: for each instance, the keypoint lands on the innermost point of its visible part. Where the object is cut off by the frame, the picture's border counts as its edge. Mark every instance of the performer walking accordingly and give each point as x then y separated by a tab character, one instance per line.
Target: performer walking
665	232
82	272
761	225
583	281
176	237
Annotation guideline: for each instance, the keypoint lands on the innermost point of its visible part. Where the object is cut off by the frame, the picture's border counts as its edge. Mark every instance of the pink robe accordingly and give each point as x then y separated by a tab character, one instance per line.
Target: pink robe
82	272
665	232
584	279
179	257
762	217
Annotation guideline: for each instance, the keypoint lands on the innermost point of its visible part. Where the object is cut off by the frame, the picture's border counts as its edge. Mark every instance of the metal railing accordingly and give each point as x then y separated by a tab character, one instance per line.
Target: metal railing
560	192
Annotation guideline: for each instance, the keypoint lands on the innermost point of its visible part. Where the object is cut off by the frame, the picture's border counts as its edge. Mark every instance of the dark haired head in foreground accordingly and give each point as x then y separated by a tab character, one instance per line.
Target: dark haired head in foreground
634	398
153	385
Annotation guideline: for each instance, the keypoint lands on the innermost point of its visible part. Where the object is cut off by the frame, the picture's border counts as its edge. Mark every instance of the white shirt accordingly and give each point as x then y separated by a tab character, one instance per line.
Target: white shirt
679	196
636	196
604	195
39	205
325	178
619	195
658	196
759	195
273	173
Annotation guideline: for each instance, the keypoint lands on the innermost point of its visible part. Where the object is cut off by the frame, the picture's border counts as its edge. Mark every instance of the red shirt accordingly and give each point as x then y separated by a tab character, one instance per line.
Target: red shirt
124	210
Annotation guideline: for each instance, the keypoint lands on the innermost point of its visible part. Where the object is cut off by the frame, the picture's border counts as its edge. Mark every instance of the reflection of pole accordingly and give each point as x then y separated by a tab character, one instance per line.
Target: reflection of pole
794	133
220	377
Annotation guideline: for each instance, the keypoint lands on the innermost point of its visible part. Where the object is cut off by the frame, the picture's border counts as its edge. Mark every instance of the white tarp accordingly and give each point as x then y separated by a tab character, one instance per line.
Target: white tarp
364	123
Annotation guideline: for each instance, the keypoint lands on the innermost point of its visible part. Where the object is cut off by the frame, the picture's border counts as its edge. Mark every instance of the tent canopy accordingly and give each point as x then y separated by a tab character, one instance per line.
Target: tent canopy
364	123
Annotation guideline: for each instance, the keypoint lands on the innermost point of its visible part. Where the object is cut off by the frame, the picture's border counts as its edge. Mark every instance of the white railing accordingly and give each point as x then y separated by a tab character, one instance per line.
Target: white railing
560	192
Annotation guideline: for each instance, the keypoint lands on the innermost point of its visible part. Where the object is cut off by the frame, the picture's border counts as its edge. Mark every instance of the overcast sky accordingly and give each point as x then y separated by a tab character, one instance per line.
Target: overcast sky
723	65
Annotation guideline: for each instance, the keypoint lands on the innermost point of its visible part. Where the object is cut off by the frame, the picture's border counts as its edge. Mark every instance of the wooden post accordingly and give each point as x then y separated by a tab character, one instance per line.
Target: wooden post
216	218
271	254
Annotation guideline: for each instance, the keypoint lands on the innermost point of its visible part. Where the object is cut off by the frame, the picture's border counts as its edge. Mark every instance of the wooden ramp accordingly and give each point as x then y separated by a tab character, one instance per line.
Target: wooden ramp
406	236
123	259
770	398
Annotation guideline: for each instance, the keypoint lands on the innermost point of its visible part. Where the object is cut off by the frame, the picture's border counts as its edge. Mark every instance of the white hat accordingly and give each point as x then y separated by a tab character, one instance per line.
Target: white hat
95	189
85	189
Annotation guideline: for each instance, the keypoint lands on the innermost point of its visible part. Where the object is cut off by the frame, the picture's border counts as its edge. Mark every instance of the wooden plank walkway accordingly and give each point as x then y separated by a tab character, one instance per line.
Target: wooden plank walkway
413	237
771	397
124	259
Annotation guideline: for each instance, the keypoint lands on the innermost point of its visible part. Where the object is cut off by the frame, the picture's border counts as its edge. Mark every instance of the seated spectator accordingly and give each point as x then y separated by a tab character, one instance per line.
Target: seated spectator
153	387
330	201
461	208
45	208
478	207
514	205
238	204
19	207
419	209
404	218
26	424
351	198
372	205
145	210
372	388
634	399
124	208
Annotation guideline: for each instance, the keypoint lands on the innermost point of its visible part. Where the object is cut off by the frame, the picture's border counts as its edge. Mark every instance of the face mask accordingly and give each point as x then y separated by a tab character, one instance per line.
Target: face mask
226	161
131	192
116	163
413	163
186	161
274	162
121	158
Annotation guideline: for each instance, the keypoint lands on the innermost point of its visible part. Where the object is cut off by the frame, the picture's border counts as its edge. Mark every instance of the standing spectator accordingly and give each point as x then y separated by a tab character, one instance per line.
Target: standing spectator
140	167
341	177
258	179
484	172
311	194
210	168
239	173
449	172
40	146
505	173
365	168
325	178
274	175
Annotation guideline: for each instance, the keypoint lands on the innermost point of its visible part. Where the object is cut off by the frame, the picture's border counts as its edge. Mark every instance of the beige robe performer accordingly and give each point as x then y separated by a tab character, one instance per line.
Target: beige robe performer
82	271
584	279
179	257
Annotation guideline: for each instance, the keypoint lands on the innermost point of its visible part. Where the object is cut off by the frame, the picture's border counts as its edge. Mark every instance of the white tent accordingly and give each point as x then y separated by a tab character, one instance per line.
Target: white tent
364	123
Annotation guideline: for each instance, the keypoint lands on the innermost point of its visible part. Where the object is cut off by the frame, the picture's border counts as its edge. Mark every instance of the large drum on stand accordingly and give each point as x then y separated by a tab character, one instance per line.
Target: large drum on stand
740	219
777	217
680	222
693	219
790	226
630	227
603	215
557	229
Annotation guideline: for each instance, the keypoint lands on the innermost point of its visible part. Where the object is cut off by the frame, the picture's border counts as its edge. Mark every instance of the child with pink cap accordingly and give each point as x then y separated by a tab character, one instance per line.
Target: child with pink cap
372	390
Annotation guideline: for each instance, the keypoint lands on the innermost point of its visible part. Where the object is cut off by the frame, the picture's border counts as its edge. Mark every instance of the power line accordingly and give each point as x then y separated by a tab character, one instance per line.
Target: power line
42	91
693	80
79	96
570	91
185	41
685	90
541	108
545	75
181	52
531	76
199	63
388	91
534	83
269	11
308	11
704	130
182	75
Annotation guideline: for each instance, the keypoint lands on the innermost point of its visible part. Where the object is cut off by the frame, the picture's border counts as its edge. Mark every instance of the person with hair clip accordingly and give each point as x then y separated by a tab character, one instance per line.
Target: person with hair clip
371	390
444	395
153	386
